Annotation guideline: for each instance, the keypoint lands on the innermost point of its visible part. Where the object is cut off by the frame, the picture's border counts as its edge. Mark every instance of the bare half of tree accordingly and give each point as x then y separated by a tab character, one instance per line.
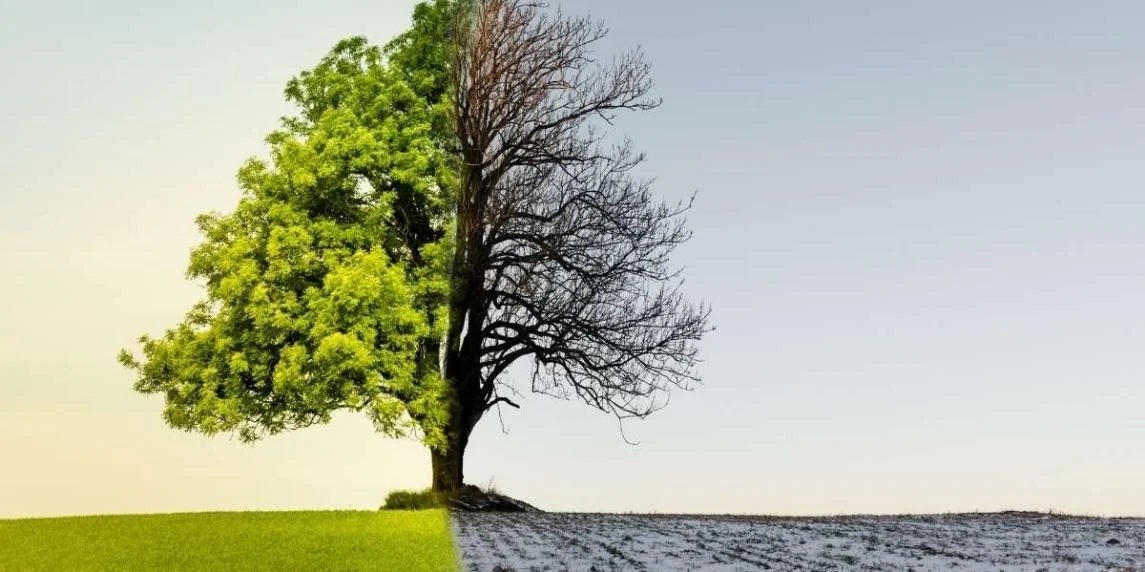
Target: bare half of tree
562	254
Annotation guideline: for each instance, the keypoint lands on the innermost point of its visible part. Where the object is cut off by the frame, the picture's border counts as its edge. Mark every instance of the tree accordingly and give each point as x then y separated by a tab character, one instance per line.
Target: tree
438	211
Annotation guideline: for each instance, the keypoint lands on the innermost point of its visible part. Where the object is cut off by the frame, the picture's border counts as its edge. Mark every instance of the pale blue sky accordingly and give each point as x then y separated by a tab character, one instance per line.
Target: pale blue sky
919	226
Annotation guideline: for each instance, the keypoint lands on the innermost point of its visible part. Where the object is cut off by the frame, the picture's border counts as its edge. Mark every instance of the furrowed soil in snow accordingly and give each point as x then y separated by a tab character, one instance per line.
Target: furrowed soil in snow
604	542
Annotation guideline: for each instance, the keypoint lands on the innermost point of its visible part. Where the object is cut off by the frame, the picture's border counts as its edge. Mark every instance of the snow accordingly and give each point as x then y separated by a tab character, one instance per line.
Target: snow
522	542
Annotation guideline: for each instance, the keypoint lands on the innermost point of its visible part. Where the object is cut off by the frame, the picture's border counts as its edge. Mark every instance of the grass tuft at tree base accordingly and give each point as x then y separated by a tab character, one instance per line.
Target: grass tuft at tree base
415	541
414	500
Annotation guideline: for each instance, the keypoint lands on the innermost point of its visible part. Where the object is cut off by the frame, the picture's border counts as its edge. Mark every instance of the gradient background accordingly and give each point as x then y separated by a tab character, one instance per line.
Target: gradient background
919	226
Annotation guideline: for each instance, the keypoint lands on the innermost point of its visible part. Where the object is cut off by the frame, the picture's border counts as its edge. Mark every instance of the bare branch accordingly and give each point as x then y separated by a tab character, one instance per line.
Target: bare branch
504	400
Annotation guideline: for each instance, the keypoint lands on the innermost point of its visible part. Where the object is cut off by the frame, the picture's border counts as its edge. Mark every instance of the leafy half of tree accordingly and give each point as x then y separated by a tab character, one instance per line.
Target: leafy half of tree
325	287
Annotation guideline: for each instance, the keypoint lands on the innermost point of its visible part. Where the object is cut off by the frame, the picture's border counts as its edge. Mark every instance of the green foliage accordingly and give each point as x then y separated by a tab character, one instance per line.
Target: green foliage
424	52
413	500
326	286
344	540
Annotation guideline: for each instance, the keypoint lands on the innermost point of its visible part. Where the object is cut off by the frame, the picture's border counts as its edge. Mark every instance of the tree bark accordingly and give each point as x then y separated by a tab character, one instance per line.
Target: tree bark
461	365
448	463
448	470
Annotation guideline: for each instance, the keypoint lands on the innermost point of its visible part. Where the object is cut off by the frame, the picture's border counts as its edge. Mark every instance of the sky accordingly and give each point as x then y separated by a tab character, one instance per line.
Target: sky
918	225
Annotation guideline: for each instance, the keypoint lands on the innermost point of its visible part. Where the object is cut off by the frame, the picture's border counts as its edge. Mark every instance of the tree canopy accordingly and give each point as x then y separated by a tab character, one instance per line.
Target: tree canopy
438	210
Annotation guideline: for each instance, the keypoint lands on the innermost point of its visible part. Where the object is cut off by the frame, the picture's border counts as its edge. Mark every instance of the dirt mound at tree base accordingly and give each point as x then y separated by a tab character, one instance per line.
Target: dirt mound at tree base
473	499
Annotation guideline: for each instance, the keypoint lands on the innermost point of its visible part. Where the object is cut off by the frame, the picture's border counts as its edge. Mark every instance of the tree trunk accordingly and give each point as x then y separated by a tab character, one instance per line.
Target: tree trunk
448	463
461	363
448	471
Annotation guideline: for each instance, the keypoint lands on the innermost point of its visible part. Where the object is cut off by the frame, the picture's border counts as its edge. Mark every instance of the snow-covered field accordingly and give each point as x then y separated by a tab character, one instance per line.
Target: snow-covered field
600	542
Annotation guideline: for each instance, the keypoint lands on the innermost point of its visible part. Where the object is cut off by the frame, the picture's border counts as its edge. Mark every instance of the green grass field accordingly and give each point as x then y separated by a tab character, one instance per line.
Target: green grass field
343	540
